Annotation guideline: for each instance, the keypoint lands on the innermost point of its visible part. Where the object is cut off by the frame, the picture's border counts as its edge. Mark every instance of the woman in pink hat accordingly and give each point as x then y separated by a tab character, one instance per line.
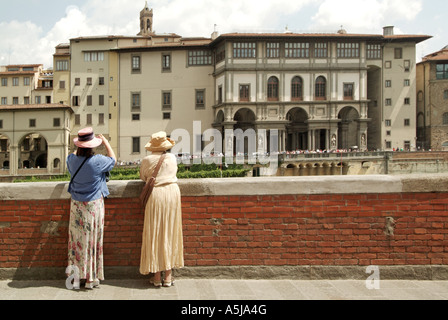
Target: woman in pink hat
88	189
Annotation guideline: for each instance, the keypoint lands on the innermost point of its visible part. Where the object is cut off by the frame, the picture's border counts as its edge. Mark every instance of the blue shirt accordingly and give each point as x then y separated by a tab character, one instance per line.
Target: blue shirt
90	182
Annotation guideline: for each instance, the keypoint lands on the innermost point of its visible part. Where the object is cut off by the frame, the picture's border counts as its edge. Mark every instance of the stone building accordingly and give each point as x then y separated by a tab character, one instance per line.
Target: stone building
320	91
34	131
432	105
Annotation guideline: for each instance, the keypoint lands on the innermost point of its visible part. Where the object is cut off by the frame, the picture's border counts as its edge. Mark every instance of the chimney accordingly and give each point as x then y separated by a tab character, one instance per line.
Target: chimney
388	31
215	33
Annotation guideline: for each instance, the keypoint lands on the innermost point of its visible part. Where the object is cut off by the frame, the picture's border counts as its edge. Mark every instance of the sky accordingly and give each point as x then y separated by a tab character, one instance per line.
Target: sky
31	29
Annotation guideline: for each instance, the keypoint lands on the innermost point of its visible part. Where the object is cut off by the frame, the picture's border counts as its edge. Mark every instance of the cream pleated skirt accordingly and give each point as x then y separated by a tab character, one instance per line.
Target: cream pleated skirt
162	241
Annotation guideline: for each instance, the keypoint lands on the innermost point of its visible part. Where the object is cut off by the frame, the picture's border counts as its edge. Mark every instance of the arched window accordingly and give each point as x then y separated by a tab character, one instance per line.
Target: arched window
297	89
321	88
273	89
56	163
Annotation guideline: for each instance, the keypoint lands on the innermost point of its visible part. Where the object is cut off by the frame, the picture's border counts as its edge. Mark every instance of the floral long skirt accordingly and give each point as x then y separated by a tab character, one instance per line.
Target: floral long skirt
85	243
162	243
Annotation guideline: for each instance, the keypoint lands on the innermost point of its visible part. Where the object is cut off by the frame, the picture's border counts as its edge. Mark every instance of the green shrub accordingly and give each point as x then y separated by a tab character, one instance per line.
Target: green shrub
198	171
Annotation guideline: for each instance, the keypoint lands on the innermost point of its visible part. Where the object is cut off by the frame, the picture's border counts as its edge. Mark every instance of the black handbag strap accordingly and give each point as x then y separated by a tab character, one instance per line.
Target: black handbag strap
71	180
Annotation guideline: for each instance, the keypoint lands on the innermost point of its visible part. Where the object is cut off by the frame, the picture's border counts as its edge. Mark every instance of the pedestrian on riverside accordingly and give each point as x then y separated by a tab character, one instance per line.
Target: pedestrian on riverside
88	190
162	240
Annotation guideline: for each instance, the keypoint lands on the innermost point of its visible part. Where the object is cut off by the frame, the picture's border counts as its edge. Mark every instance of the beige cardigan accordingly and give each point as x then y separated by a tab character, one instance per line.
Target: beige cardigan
168	170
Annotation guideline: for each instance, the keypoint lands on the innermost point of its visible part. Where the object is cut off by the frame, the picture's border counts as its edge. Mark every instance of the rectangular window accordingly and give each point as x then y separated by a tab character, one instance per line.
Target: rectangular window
320	50
37	100
15	82
442	71
166	100
56	122
220	53
166	62
4	82
136	65
445	94
167	116
26	81
388	64
76	101
101	81
3	147
101	100
89	119
407	122
89	81
243	50
219	94
135	102
398	53
32	123
348	91
297	50
407	82
348	50
273	50
244	92
61	84
407	66
388	123
77	119
135	117
26	100
15	100
388	144
61	65
199	58
4	101
89	101
200	99
101	118
373	51
388	83
77	81
93	56
388	102
407	101
136	145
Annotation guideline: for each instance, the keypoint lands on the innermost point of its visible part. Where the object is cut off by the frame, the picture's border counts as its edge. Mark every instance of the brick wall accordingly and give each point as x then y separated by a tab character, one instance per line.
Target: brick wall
224	226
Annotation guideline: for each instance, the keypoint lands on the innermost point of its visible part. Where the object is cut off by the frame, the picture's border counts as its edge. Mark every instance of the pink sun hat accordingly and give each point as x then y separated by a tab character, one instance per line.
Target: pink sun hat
87	140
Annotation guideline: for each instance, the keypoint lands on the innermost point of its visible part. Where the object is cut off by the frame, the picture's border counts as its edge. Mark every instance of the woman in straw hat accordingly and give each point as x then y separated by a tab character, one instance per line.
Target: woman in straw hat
162	243
88	189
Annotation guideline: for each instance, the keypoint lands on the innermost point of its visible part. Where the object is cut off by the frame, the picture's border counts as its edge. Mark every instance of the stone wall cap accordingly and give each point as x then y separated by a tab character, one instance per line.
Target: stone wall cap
248	186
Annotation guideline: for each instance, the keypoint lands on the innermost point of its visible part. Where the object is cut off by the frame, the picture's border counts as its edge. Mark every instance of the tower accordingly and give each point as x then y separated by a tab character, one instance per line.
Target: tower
146	18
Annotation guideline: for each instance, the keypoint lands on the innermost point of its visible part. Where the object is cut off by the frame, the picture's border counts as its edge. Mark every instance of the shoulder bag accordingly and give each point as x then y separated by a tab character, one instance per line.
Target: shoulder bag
149	186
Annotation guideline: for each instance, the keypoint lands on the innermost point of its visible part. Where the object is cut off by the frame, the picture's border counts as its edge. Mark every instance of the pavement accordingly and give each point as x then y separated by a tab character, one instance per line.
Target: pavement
230	290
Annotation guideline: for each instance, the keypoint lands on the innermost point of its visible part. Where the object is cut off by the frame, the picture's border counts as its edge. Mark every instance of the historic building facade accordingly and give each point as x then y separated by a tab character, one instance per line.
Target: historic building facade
320	91
432	101
34	131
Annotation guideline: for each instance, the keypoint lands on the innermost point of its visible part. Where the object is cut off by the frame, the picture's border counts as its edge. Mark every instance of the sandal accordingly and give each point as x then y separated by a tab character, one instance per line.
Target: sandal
167	283
154	283
94	284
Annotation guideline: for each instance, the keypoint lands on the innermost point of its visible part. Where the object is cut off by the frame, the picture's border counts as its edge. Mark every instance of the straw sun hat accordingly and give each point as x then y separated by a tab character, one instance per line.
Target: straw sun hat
86	139
159	143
